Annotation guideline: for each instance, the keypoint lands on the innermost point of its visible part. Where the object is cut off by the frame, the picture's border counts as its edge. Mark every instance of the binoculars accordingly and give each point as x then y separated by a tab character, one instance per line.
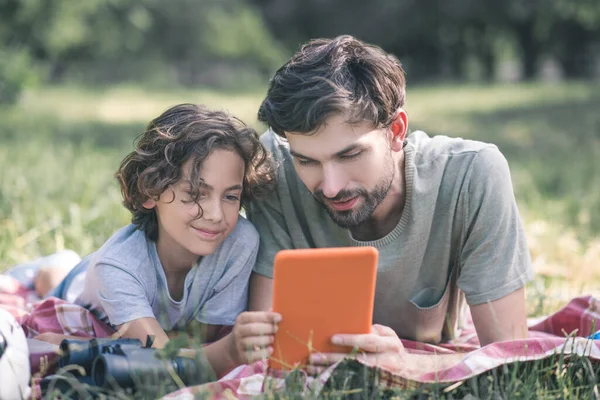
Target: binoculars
126	363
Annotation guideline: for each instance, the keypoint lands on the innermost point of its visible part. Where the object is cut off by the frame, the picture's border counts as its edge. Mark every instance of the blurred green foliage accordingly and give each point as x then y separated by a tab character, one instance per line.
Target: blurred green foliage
440	39
231	44
208	42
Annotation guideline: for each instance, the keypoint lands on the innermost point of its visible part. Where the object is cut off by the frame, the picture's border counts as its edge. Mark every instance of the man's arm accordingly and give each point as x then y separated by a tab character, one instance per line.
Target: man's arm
260	293
502	319
495	263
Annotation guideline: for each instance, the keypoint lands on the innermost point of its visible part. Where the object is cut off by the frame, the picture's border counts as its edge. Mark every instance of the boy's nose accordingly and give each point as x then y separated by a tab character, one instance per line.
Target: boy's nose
212	211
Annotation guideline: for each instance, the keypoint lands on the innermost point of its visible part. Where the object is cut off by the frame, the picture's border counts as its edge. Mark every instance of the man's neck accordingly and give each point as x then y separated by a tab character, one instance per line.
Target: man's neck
387	215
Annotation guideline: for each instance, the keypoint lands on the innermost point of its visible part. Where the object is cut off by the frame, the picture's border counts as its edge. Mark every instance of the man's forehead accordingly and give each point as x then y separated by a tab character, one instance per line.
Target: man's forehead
332	138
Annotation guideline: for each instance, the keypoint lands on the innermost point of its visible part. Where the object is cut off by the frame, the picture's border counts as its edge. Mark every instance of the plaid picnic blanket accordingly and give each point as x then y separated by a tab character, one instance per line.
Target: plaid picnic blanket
571	330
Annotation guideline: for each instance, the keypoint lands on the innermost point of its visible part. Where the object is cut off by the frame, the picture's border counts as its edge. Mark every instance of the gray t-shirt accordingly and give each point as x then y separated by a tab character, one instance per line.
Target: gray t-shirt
460	235
125	281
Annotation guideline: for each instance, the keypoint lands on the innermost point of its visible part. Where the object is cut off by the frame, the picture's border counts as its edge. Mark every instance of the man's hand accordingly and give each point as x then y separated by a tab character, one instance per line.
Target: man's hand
252	336
381	348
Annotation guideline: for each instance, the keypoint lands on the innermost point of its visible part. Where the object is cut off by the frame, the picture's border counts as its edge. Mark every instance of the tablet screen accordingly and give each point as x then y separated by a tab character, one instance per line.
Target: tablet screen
321	292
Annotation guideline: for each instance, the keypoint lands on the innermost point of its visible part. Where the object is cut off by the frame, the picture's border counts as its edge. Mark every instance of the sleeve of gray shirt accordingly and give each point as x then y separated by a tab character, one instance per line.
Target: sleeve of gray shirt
230	295
267	217
122	295
495	259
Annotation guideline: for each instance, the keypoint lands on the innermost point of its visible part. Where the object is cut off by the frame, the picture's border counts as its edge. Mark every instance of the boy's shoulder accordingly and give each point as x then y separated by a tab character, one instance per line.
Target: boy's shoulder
244	233
127	247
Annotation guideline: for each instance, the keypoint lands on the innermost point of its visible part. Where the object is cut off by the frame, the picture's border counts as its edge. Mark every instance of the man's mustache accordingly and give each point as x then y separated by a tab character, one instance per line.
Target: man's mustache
342	195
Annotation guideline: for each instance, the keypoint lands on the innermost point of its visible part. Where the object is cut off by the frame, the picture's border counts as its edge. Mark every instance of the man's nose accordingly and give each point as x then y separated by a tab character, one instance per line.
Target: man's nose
333	181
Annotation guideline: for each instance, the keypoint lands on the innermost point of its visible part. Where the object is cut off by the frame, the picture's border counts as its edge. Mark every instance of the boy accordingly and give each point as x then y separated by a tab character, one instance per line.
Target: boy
188	254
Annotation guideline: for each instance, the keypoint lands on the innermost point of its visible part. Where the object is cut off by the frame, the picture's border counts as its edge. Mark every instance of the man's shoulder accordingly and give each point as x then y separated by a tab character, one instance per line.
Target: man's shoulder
429	148
275	144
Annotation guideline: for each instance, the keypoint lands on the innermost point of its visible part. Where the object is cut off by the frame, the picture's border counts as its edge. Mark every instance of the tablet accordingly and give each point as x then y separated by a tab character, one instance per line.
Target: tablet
320	292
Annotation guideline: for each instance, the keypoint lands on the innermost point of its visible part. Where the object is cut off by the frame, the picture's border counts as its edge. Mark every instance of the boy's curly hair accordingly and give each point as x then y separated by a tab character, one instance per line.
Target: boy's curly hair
181	133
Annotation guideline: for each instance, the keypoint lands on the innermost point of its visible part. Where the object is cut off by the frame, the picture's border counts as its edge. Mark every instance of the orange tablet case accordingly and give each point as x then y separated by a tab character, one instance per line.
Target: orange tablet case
321	292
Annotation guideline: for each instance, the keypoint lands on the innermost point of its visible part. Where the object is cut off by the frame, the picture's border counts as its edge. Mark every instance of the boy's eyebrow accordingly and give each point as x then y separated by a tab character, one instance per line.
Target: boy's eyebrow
210	187
337	154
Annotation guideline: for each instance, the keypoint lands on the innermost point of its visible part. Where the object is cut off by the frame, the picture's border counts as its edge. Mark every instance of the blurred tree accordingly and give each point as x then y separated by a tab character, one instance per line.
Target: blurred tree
436	38
121	39
231	42
575	33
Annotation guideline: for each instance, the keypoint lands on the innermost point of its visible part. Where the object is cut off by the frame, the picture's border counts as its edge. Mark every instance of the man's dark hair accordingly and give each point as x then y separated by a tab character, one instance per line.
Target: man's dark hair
334	76
181	133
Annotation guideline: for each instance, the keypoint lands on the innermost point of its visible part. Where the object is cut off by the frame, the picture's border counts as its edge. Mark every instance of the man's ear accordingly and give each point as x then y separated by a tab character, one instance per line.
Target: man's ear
399	128
149	204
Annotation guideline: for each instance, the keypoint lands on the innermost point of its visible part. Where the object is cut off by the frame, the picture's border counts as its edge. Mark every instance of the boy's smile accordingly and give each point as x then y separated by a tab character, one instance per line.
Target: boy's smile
208	234
191	227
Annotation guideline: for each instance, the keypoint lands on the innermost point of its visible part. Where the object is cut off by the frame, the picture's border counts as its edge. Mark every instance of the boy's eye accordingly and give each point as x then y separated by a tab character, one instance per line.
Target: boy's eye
189	197
232	197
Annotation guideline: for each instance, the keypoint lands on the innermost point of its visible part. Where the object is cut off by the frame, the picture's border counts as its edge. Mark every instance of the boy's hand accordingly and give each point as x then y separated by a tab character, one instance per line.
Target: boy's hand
252	336
380	348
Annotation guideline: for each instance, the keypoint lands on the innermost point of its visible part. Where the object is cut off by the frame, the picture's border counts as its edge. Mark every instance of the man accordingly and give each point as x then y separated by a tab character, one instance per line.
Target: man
440	210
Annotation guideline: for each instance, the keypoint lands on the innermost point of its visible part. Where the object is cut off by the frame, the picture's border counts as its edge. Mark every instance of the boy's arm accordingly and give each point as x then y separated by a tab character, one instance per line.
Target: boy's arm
141	328
208	333
261	293
137	329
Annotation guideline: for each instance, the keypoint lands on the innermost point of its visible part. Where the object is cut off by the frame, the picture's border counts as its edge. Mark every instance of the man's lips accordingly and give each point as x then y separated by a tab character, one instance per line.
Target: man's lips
344	204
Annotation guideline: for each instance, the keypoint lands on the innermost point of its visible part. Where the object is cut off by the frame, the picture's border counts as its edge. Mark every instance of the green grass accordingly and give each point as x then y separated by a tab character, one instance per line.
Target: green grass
60	146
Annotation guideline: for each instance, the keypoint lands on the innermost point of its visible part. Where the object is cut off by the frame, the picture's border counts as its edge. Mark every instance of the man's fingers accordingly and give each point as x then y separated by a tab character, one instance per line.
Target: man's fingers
383	330
325	359
315	370
371	342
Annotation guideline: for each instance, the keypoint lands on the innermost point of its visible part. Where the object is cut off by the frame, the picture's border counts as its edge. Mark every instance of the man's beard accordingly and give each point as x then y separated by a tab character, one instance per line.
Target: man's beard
354	218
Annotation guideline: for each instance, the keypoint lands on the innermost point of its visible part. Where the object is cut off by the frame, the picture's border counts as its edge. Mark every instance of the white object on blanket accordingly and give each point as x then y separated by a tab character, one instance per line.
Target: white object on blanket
14	359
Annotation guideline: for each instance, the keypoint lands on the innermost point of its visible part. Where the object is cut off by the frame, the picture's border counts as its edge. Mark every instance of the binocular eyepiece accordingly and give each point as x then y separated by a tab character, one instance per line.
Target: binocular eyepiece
84	352
131	368
125	363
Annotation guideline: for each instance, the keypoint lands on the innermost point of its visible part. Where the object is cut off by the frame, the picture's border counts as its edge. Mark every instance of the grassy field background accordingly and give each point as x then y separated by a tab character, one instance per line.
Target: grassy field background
59	148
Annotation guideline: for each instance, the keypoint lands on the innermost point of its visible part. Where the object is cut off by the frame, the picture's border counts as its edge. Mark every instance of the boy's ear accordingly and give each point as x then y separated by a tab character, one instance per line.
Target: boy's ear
399	128
149	204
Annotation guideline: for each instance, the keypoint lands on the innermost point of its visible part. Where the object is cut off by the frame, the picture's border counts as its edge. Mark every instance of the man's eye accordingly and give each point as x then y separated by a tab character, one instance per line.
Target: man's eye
303	161
351	156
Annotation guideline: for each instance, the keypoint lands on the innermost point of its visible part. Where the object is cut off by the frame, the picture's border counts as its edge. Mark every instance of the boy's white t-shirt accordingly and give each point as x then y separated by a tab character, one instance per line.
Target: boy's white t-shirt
125	281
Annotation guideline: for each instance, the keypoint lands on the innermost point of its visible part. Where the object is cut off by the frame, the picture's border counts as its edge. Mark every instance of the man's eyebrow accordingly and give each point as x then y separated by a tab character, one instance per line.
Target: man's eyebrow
296	154
337	154
346	149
